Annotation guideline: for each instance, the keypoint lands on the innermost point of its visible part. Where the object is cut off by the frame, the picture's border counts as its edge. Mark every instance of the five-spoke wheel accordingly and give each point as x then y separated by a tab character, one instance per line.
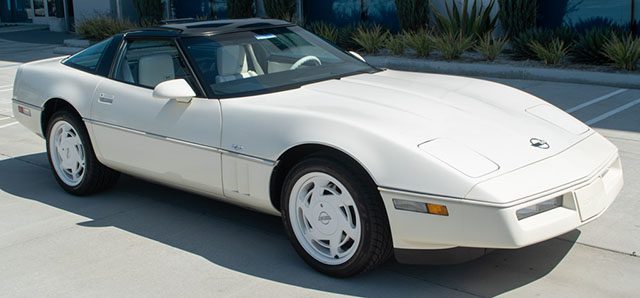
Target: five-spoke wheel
334	216
72	158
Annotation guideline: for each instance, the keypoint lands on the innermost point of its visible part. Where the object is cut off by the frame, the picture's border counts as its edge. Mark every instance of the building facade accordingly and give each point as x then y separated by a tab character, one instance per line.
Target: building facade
61	15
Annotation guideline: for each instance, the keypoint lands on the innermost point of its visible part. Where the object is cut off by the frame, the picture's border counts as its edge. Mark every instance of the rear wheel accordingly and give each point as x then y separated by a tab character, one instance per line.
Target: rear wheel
335	218
72	158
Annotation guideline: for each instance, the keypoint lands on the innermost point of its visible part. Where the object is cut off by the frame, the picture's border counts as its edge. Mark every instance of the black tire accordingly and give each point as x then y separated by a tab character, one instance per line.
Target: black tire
97	177
375	246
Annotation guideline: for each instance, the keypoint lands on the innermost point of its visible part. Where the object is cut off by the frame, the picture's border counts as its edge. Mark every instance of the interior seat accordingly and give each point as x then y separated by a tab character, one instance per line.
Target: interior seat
155	69
232	64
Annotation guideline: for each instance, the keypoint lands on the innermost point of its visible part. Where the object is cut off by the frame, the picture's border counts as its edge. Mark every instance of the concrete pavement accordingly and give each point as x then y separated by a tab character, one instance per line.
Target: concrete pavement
142	239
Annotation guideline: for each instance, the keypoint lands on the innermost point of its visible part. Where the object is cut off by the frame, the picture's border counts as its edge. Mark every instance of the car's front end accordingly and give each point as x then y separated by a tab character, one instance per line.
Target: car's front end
516	209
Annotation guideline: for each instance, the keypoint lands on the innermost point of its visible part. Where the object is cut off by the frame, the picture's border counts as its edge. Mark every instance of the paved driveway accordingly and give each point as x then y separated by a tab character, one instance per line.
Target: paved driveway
142	239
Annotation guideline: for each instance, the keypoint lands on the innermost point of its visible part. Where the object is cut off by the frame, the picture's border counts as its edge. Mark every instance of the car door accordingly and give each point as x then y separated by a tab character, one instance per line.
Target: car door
159	139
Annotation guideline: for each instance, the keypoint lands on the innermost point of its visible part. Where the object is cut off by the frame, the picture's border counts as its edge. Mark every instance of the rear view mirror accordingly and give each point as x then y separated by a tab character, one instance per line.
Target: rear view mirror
177	89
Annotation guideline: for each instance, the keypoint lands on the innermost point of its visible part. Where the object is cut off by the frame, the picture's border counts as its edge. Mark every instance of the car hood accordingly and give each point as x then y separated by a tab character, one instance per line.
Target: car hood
487	119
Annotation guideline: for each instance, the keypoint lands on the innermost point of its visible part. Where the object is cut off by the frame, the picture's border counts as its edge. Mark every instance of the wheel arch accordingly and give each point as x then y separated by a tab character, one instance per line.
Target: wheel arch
290	157
53	105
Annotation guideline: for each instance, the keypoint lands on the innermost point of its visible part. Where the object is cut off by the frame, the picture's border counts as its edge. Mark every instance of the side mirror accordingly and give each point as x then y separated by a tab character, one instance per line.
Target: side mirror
354	54
177	89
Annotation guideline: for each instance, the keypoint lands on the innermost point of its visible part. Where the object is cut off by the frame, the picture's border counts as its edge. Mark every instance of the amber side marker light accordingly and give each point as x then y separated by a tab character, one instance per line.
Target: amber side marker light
437	209
413	206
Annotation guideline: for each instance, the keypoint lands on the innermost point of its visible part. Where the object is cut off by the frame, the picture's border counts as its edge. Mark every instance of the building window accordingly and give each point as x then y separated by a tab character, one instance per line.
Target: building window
38	8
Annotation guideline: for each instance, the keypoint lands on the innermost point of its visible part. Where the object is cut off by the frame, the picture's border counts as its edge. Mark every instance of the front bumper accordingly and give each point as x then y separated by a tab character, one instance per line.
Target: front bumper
482	224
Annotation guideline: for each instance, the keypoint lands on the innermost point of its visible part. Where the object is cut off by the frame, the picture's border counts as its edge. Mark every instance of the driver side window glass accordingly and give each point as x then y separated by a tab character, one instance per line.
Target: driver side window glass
147	63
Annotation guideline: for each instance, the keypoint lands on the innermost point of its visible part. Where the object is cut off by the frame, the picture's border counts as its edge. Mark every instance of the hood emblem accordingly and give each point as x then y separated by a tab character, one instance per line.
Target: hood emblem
539	143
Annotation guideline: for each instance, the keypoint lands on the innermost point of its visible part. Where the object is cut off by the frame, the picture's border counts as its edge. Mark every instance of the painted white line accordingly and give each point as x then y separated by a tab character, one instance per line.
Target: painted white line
4	118
3	90
10	124
595	100
5	86
613	112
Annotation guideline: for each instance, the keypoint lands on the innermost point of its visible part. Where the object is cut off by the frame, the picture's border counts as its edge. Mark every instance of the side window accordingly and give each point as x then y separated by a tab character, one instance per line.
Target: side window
89	59
148	63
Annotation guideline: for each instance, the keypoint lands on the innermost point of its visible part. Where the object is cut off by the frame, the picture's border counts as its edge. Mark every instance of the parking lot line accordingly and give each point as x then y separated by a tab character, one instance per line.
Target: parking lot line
10	124
595	100
613	112
4	118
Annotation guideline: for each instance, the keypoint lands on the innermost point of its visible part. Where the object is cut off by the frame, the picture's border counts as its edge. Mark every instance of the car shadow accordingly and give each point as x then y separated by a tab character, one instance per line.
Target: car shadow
255	244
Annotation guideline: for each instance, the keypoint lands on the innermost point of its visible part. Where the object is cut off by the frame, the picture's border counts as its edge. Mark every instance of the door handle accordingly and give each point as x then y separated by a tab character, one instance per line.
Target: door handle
106	98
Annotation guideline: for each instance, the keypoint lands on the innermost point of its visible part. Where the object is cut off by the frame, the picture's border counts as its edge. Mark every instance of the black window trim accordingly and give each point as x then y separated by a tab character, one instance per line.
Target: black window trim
103	65
120	51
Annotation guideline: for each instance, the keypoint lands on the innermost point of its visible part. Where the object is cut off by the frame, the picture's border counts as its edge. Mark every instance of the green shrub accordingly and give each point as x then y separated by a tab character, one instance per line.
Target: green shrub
413	15
371	40
589	45
280	9
102	27
325	30
490	47
345	37
468	23
522	43
396	44
240	9
420	41
551	53
452	45
149	11
623	52
517	16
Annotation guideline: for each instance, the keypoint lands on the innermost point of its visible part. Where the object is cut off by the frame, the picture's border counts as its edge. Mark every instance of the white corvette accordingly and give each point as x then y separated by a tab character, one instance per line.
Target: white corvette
361	163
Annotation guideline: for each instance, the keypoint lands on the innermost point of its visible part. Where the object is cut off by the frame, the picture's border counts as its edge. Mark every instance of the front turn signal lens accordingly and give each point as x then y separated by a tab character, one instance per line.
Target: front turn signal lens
414	206
437	209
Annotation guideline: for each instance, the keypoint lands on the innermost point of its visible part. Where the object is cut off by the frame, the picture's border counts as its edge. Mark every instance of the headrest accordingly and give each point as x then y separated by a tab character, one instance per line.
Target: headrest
155	69
231	60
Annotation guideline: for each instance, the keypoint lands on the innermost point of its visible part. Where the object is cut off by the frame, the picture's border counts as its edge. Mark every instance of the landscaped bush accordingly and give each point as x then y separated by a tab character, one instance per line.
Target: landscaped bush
490	47
522	43
372	39
345	37
551	53
396	44
413	15
326	31
517	16
623	52
420	41
240	9
102	27
452	45
473	22
280	9
589	45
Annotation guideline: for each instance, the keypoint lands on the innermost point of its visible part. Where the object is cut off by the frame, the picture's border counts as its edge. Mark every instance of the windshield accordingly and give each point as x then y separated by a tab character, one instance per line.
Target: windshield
265	60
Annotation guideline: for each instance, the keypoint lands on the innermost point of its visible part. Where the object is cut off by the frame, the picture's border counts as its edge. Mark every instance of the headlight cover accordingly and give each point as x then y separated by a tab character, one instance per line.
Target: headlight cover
558	118
459	157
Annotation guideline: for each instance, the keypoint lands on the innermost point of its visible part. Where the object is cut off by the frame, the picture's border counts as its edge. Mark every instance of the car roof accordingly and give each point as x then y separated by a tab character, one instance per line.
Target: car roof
186	27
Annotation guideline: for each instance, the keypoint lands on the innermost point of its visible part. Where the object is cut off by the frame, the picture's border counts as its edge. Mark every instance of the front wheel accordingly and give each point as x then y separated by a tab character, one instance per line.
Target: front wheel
72	158
334	217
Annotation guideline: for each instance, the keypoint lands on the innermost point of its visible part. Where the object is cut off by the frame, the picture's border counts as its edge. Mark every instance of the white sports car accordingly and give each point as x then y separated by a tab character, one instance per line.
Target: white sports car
360	162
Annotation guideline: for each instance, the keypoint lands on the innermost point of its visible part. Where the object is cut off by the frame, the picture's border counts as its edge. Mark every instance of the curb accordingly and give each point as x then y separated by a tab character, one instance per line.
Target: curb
619	80
63	50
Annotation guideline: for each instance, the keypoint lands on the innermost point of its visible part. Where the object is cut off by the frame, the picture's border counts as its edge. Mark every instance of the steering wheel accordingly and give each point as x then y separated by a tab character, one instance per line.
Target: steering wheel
304	60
